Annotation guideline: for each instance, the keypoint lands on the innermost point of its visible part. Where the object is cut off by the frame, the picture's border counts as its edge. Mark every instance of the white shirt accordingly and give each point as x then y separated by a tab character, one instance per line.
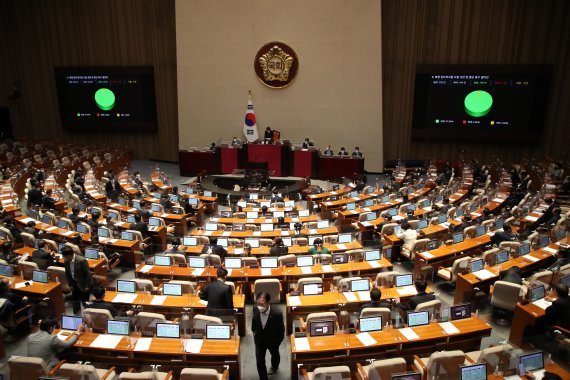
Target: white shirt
264	316
409	237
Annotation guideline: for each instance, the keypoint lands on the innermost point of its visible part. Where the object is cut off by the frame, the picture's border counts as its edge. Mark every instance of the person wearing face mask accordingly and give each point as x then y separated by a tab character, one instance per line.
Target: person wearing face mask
137	180
268	333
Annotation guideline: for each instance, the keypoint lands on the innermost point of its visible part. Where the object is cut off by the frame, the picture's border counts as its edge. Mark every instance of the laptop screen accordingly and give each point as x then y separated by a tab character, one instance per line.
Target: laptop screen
239	227
460	311
477	265
208	193
370	324
62	224
126	286
406	376
459	213
289	203
265	203
91	253
168	330
136	204
162	260
359	285
5	270
442	218
266	227
368	203
193	201
321	328
502	257
40	276
404	280
565	280
287	241
190	241
458	238
70	322
344	238
252	215
372	255
232	263
532	362
304	261
171	289
474	372
113	215
397	229
173	198
268	262
480	231
115	327
392	212
499	223
313	289
218	332
197	262
157	195
418	318
155	207
536	293
46	219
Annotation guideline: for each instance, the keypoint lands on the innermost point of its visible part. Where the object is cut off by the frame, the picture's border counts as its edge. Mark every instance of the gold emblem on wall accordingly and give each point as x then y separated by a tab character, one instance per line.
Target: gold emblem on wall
276	64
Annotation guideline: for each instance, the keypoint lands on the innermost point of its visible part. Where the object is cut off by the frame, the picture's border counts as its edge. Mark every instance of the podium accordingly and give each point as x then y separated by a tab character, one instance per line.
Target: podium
305	163
276	156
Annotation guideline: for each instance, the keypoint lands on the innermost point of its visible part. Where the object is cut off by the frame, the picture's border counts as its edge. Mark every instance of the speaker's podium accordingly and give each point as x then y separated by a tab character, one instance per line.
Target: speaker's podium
275	155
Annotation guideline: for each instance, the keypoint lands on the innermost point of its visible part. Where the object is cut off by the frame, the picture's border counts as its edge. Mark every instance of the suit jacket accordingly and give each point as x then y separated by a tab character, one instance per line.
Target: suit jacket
104	305
220	298
558	314
140	226
512	276
376	304
278	250
82	275
273	333
502	236
44	258
48	202
35	196
416	300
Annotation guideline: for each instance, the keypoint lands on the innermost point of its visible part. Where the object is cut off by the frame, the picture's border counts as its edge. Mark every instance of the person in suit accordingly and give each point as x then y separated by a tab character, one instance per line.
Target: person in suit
44	255
276	197
268	135
512	274
219	295
48	201
139	225
414	301
558	313
165	202
78	277
268	333
306	144
328	152
113	189
343	152
357	153
100	303
279	248
35	196
94	221
8	255
506	235
375	299
563	259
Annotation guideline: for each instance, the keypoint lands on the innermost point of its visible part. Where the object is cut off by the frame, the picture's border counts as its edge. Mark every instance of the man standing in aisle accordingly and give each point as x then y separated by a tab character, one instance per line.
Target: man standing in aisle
78	278
268	333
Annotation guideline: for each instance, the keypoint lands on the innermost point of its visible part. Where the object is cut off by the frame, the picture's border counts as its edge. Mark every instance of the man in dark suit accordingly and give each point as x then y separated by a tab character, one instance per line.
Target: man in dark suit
375	299
268	333
113	189
268	135
357	153
219	295
43	255
506	235
48	201
139	225
78	277
558	313
279	248
512	275
35	196
100	303
421	297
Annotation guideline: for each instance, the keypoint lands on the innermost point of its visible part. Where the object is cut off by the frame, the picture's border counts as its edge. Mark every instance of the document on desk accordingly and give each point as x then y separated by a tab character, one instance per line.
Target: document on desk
238	251
125	297
397	217
530	258
449	328
313	231
266	271
306	270
106	341
158	300
445	224
203	302
302	344
23	284
341	246
69	233
427	255
407	290
226	233
427	209
498	200
146	268
52	228
374	264
542	303
408	333
554	251
366	339
295	301
531	218
350	296
284	233
366	224
112	241
256	233
484	274
364	296
198	271
327	268
194	346
26	220
143	344
208	233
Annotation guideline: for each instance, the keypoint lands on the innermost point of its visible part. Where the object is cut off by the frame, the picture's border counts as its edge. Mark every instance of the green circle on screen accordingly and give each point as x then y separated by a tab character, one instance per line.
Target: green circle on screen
105	99
478	103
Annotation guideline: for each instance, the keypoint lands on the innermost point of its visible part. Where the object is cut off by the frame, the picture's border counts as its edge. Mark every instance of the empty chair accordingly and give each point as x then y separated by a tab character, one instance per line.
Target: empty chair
321	316
307	280
187	286
355	254
383	312
432	306
344	283
265	242
270	285
302	241
146	321
177	258
287	260
496	356
150	375
458	267
364	216
381	369
96	319
29	239
212	259
505	296
203	240
443	364
470	232
490	256
26	269
203	374
57	274
512	246
388	228
542	277
22	367
144	285
386	279
330	239
201	321
339	372
77	371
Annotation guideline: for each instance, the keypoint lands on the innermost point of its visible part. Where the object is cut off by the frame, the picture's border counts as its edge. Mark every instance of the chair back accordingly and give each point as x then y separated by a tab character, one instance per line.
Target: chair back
96	319
459	266
147	321
29	239
321	316
148	375
201	321
505	295
339	372
307	280
22	367
269	285
76	371
432	306
26	268
383	369
58	274
445	363
383	312
199	374
386	279
542	277
344	283
212	259
496	356
144	285
287	260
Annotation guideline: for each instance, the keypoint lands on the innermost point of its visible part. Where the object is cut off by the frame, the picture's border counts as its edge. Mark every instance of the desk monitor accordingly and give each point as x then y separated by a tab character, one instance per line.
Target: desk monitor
6	270
103	232
266	227
265	203
524	249
156	195
353	194
190	241
370	324
350	206
458	238
460	311
33	213
501	257
131	219
360	285
197	262
60	246
155	207
532	362
289	203
287	241
168	330
268	262
423	203
127	235
370	216
472	207
136	204
536	293
565	280
499	223
474	372
411	207
239	227
171	289
304	261
223	242
253	196
313	289
162	260
211	226
208	193
116	327
339	258
278	214
233	263
92	253
323	224
369	203
321	328
70	322
173	198
403	280
372	255
397	229
252	215
189	190
385	199
113	215
226	214
344	238
62	224
292	225
392	212
441	218
432	244
220	332
422	224
304	213
477	265
193	201
418	318
459	213
406	376
46	219
253	242
543	241
559	234
480	231
124	286
312	239
40	276
154	222
81	228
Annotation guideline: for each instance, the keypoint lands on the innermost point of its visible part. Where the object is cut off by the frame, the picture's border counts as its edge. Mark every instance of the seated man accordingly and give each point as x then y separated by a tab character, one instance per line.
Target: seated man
414	301
357	153
48	201
513	275
44	254
563	258
100	303
8	255
343	152
328	152
279	248
506	235
318	248
375	300
139	225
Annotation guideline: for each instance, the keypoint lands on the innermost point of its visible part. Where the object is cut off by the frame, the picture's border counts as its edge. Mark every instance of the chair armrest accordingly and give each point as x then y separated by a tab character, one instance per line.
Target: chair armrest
469	360
304	374
168	376
303	324
108	373
562	329
225	374
56	368
417	359
360	374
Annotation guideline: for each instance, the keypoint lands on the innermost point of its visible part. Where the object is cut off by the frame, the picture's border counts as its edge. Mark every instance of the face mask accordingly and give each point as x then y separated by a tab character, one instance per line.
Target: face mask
261	309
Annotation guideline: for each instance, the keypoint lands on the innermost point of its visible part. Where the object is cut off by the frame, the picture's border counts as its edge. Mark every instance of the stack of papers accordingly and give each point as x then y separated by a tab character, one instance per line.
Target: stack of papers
125	298
350	296
530	258
374	264
198	271
106	341
542	303
366	339
484	274
306	270
426	255
407	290
364	296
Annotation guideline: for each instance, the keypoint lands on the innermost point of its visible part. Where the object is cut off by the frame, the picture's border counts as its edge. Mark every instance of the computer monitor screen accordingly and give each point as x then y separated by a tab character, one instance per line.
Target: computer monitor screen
474	372
226	214
321	328
254	243
70	322
370	324
406	376
372	255
124	286
113	215
155	207
289	203
40	276
278	214
501	257
211	226
397	229
5	270
239	227
162	260
265	203
193	201
472	207
370	216
392	212
189	190
131	219
359	285
287	241
197	262
532	362
524	249
136	204
460	311
222	332
312	239
171	289
565	280
266	227
190	241
268	262
91	253
480	231
62	224
411	208
559	234
441	218
369	203
223	242
304	261
344	238
81	228
103	232
385	199
418	318
459	213
353	194
536	293
499	223
252	215
313	289
339	258
477	265
432	244
422	224
253	196
233	263
458	238
154	222
46	219
350	206
208	193
127	235
543	241
168	330
323	224
173	198
116	327
304	213
156	195
404	280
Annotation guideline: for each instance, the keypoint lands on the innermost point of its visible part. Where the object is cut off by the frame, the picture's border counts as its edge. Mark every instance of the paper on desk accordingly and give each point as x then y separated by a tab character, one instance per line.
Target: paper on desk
445	224
531	218
341	246
302	344
125	298
367	209
238	251
132	209
484	274
203	302
530	258
542	303
284	233
427	209
194	346
366	224
146	268
158	300
397	217
327	269
366	339
164	215
374	264
198	271
26	220
112	241
69	233
256	233
550	250
476	214
306	270
266	271
214	219
350	296
143	344
364	296
427	255
407	290
52	228
498	200
409	333
106	341
208	233
294	219
295	301
23	284
226	233
313	231
449	328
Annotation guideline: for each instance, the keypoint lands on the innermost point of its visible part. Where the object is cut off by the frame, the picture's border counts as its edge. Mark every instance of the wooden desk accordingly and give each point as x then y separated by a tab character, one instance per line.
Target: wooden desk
264	250
35	290
337	167
266	234
194	162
